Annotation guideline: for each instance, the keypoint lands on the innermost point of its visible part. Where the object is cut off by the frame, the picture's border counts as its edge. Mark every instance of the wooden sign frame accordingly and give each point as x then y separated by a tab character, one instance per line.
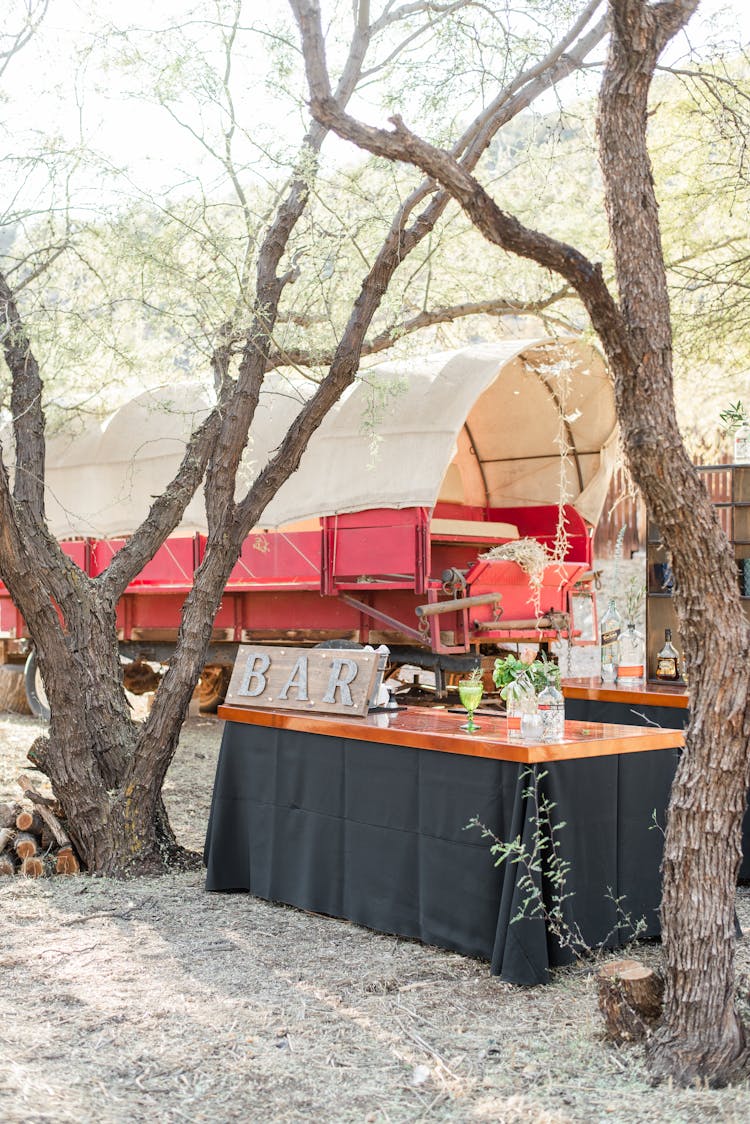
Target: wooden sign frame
323	680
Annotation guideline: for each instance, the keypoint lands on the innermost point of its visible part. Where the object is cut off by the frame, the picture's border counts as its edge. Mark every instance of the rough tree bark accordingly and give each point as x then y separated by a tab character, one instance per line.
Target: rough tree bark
701	1036
107	772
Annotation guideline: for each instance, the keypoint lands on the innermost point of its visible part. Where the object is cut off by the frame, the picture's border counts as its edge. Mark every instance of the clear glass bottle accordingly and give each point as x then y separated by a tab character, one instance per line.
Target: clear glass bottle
551	706
631	670
668	659
520	702
742	445
610	628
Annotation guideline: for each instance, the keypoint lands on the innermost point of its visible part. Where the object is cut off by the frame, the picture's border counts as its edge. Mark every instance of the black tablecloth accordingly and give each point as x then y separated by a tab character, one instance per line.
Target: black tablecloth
376	834
632	714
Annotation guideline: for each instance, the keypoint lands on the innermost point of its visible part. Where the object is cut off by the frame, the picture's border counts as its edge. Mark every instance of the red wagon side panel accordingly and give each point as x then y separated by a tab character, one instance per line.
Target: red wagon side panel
272	558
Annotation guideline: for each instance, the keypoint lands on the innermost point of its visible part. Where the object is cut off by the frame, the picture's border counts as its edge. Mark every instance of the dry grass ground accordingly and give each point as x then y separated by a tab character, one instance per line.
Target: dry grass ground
154	1001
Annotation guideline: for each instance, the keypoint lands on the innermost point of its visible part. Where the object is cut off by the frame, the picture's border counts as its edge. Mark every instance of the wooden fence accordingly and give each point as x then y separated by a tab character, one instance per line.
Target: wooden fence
625	506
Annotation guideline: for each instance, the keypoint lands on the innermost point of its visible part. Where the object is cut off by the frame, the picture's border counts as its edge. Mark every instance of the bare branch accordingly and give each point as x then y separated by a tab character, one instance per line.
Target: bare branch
36	11
502	229
52	254
447	314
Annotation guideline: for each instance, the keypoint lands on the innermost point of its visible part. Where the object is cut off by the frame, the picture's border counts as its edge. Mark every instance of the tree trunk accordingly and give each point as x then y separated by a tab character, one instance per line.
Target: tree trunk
90	746
701	1036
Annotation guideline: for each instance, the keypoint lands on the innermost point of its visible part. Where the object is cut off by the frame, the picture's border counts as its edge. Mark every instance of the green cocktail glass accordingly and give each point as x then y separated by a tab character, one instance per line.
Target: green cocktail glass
470	694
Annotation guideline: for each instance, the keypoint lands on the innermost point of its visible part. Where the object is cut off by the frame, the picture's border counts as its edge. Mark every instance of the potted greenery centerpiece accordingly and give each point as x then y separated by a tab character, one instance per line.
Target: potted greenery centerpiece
529	688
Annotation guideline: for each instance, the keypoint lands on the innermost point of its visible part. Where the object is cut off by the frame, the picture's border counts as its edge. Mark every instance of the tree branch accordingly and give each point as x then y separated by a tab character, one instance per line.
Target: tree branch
501	306
21	38
498	227
166	511
25	405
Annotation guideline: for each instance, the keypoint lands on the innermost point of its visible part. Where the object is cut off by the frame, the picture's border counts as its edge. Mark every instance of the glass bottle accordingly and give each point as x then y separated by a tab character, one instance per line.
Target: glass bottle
551	706
610	628
668	659
520	702
742	445
631	670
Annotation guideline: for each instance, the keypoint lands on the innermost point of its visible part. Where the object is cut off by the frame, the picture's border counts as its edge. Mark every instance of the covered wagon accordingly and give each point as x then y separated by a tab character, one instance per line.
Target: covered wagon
396	525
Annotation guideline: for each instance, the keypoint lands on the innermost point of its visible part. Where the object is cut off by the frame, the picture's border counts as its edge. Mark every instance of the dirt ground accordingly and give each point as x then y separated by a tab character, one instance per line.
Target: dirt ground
154	1001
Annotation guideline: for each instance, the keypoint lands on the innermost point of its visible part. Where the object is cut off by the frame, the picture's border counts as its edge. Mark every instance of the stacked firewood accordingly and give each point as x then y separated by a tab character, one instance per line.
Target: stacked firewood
33	839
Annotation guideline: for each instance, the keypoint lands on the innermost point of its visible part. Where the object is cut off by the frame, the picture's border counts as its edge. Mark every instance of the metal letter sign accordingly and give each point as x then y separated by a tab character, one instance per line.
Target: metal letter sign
313	679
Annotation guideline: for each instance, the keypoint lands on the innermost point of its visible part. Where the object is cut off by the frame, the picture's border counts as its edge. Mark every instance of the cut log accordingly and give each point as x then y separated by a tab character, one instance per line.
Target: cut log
7	864
33	867
25	845
8	813
29	821
35	797
13	689
140	678
630	999
43	806
66	862
6	837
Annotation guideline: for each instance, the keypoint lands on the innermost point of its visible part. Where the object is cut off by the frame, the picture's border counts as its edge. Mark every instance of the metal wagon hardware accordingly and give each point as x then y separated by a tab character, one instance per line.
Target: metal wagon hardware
381	535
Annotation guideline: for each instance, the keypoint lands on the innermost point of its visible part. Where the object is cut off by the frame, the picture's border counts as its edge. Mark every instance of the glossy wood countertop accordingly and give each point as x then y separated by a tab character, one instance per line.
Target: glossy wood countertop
648	694
438	729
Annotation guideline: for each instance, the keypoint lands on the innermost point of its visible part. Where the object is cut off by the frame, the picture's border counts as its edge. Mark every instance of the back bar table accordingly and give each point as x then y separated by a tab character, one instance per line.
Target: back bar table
366	819
590	700
663	704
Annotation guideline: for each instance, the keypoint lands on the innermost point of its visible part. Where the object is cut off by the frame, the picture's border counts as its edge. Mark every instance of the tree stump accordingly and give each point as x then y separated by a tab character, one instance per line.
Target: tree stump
13	689
630	999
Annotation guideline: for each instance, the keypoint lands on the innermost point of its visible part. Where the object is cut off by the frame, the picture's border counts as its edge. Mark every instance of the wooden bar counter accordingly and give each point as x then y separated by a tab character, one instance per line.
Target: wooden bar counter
438	729
370	820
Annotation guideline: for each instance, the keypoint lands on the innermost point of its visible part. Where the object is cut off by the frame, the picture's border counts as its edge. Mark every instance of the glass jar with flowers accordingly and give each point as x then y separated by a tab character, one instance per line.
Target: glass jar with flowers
531	689
512	676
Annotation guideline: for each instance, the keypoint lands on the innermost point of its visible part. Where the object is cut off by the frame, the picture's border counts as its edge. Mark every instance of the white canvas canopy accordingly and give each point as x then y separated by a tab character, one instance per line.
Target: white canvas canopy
483	425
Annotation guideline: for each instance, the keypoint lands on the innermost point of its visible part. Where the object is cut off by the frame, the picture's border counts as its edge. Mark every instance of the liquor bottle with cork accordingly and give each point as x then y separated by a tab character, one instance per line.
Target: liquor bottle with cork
668	660
610	628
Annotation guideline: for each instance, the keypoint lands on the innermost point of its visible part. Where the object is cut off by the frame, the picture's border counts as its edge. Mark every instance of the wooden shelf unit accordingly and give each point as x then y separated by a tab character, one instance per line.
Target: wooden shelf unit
729	487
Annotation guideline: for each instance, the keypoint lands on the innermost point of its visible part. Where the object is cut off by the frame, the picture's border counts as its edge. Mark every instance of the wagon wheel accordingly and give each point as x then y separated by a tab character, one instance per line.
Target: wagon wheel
36	696
213	686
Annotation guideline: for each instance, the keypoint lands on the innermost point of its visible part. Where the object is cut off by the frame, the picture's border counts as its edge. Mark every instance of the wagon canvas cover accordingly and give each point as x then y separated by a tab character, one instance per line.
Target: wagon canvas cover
480	426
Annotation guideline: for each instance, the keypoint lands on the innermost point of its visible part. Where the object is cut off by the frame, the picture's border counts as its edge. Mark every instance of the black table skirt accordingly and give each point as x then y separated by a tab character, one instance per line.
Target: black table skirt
377	834
632	714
